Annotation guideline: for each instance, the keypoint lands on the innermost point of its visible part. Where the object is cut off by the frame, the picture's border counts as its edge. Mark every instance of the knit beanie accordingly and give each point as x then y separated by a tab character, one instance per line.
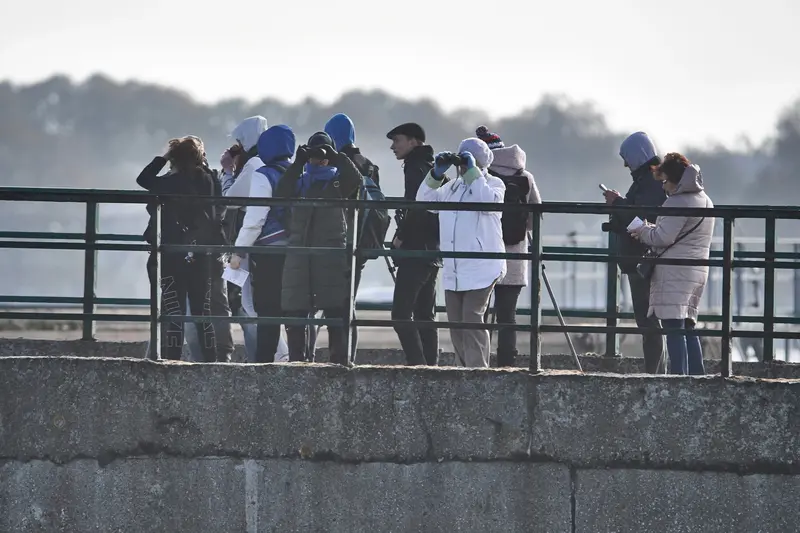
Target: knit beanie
491	139
480	151
320	138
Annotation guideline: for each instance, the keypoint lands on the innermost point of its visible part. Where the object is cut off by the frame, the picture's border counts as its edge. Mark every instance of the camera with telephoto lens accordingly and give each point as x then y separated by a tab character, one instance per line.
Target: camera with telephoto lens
451	159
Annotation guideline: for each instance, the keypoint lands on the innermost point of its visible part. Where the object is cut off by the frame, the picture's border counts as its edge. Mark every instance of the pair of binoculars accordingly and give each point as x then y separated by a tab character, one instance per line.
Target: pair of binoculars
451	159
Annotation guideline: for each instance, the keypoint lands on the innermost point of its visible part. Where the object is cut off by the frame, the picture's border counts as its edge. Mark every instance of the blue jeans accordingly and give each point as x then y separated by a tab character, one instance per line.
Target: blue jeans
683	347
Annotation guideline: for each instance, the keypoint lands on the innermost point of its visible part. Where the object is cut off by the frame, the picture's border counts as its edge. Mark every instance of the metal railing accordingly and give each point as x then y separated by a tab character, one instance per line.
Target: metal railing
91	241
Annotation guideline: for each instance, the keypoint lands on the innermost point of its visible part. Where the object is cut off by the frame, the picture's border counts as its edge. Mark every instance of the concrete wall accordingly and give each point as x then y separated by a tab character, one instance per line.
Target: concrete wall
129	445
589	362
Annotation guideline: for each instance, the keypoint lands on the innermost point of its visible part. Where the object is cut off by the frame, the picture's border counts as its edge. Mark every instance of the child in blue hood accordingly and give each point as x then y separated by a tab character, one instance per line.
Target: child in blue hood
317	282
265	226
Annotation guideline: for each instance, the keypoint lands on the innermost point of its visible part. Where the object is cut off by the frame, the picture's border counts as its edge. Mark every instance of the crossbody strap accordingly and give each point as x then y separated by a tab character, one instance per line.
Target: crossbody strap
683	236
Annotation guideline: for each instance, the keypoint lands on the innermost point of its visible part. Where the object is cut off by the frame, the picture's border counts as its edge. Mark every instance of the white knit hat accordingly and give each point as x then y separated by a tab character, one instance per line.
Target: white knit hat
480	151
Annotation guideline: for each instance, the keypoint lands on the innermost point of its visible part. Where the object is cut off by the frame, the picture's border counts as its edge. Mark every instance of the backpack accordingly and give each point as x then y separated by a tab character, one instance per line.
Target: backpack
373	222
515	223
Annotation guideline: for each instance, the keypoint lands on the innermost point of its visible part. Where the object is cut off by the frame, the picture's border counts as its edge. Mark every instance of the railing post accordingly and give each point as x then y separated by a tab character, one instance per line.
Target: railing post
351	248
612	299
726	366
796	285
769	290
90	271
535	248
155	286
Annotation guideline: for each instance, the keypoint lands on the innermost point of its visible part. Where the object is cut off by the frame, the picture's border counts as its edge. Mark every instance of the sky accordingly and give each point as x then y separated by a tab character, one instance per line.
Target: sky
687	71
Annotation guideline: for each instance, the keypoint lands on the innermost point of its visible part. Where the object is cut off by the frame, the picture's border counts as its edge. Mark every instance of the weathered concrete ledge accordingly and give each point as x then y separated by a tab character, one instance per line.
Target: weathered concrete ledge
589	362
121	444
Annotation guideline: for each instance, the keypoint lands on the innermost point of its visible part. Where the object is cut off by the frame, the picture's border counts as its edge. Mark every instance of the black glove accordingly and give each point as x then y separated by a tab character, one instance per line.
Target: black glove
302	155
325	151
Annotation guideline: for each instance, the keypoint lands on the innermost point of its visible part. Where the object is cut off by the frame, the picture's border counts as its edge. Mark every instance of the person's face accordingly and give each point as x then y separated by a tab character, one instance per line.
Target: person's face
668	186
402	145
318	162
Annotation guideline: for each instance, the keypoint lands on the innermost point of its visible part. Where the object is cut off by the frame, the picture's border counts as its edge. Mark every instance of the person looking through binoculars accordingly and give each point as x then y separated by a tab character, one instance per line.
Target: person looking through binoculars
468	283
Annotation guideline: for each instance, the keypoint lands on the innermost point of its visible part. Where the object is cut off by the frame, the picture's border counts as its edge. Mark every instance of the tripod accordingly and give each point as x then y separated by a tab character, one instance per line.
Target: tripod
558	312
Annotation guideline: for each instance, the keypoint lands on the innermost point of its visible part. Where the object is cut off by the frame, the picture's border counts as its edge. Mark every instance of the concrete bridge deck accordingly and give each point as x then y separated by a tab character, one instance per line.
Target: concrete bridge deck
128	445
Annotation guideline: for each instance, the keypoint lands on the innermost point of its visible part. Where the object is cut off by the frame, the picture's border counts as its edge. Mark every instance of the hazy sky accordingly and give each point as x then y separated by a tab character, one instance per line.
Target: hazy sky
685	70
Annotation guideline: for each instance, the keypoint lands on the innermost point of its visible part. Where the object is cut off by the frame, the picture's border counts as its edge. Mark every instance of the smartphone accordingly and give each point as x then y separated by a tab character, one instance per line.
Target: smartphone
603	188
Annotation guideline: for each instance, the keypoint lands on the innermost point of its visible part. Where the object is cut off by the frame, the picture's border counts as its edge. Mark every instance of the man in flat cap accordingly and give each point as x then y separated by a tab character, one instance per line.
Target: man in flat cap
415	287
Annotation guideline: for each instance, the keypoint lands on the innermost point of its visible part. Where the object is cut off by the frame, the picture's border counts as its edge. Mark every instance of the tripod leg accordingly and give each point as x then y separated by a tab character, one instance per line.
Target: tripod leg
561	319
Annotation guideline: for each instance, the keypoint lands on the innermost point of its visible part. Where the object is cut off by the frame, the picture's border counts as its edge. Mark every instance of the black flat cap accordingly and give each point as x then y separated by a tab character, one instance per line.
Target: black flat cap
412	130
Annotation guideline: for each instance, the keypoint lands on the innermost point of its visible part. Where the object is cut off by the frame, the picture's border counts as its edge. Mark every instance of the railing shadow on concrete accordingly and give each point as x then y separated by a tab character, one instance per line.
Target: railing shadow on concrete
91	241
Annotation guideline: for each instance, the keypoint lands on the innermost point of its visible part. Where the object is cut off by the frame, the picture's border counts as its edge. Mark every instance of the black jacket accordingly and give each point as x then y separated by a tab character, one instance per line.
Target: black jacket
419	229
645	190
183	222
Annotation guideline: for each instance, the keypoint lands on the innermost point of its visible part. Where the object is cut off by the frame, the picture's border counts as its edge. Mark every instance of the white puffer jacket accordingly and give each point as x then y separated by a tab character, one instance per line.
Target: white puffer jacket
469	231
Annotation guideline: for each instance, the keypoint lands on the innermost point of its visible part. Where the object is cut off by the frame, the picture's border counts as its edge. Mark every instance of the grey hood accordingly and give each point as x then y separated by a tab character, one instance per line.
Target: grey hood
637	150
509	160
691	181
512	159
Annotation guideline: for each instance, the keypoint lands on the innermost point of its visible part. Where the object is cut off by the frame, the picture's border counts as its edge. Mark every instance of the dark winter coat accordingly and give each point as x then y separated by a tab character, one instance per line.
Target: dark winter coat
183	222
317	281
420	228
637	151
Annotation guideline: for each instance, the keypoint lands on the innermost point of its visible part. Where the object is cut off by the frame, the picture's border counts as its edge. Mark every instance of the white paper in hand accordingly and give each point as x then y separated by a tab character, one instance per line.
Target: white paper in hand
237	277
635	224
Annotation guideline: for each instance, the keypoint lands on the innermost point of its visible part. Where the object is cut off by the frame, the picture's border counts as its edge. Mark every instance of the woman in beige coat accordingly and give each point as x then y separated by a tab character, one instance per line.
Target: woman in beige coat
675	290
509	165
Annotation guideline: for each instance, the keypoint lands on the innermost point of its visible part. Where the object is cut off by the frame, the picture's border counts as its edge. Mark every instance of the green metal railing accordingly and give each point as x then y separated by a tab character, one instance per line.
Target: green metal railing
91	242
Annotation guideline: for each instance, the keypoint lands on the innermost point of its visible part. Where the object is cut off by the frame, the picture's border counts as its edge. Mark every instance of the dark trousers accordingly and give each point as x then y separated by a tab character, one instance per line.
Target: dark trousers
297	337
505	305
652	343
219	307
415	299
267	279
181	279
353	328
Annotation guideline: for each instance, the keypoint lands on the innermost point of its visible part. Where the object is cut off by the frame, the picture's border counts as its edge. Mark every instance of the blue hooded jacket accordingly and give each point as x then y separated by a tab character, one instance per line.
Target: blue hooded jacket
637	150
275	146
341	130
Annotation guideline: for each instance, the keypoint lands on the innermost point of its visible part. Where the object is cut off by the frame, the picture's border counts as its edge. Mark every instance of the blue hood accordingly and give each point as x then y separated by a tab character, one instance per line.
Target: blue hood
276	144
637	150
341	130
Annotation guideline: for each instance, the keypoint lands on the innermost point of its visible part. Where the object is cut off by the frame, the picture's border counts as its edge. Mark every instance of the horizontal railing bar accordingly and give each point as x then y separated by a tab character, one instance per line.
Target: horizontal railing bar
100	317
35	194
289	321
77	300
386	307
53	235
119	237
118	247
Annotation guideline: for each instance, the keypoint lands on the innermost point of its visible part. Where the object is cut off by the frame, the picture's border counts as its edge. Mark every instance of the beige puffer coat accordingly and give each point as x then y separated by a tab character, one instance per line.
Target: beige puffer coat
675	290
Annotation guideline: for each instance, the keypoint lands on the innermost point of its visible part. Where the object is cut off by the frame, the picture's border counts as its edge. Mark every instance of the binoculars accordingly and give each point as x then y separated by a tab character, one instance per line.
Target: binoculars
451	159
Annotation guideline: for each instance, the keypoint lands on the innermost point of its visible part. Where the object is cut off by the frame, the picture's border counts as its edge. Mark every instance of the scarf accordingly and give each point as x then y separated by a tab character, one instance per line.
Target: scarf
314	174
